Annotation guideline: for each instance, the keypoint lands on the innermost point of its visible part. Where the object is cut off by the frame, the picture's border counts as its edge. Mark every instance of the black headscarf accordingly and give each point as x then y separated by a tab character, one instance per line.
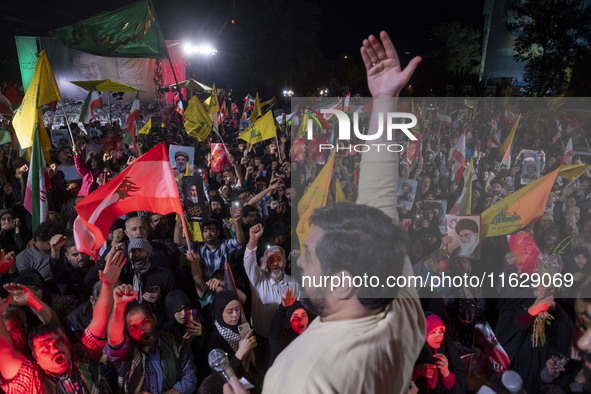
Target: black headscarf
220	301
174	300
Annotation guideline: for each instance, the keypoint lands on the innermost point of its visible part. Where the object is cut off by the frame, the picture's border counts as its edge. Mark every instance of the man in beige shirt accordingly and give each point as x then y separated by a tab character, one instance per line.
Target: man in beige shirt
364	340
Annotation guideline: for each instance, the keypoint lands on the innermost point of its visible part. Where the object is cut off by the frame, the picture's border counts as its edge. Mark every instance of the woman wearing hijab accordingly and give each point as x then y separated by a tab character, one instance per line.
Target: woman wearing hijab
287	323
439	368
577	263
224	334
174	321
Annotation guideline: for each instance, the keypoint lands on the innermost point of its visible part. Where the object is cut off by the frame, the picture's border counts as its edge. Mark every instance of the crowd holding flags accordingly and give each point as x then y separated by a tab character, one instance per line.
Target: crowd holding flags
147	184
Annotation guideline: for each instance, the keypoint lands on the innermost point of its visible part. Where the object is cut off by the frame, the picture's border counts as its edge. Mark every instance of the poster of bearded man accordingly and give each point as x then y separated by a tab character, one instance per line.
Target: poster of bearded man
463	236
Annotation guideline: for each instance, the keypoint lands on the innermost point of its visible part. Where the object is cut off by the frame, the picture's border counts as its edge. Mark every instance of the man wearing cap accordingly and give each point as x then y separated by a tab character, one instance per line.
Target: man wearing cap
152	283
467	230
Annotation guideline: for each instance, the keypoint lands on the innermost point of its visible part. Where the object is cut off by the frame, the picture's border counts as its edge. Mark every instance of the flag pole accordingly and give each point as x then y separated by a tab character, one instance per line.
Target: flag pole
186	232
66	120
278	148
215	129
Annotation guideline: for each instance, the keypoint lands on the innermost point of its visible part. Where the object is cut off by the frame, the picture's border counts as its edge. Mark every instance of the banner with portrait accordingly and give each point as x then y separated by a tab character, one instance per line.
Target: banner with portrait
462	236
193	198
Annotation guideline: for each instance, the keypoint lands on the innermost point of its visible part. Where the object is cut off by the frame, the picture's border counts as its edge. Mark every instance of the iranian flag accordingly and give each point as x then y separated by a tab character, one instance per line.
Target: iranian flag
459	155
146	185
38	184
93	101
134	116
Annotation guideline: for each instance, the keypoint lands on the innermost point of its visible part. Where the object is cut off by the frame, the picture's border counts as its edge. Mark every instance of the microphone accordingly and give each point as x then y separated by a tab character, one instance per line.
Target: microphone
218	361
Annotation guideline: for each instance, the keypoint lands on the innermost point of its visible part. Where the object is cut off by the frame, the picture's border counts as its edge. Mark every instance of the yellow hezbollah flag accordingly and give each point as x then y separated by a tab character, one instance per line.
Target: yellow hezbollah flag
263	129
339	194
256	111
572	171
314	198
145	130
197	121
42	90
516	210
303	126
509	139
213	107
270	101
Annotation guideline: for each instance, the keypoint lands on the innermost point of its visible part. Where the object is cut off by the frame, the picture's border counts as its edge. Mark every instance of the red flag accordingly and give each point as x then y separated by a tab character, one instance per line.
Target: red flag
485	336
223	112
13	96
146	185
5	108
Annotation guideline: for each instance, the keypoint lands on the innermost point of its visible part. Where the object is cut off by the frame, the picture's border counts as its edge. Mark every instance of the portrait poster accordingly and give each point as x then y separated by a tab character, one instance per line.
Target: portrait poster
531	166
58	136
180	157
462	235
406	193
193	197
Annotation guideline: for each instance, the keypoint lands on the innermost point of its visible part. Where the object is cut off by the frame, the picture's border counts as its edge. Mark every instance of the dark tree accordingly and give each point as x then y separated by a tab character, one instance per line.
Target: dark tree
458	51
550	35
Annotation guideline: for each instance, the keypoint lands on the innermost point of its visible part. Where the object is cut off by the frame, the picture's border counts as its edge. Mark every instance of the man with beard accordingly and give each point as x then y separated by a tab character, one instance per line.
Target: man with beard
467	230
364	340
268	283
70	269
57	367
152	283
192	206
66	159
135	227
212	253
148	360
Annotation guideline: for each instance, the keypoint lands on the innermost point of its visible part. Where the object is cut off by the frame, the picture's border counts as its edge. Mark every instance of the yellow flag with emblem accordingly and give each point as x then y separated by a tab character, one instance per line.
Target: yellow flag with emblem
314	198
197	121
263	129
518	209
145	130
42	90
256	111
211	103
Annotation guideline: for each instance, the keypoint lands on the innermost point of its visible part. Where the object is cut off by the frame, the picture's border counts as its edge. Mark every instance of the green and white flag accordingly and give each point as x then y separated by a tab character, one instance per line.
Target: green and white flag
38	184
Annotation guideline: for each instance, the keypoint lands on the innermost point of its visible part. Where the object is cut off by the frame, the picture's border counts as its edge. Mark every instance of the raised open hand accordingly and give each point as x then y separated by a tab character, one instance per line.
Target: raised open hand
385	76
115	262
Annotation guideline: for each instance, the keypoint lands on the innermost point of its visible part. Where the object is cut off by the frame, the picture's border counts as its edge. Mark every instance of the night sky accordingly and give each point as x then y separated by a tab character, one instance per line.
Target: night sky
342	25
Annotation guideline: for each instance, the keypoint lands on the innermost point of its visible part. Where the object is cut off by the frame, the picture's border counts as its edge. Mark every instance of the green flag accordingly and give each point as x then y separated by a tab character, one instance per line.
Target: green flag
130	31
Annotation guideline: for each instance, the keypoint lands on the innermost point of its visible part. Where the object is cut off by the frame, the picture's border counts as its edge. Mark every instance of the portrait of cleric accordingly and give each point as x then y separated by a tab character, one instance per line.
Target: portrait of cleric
194	201
464	239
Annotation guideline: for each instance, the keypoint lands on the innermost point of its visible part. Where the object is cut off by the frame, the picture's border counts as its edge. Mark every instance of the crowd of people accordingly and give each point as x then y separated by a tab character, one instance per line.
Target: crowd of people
145	316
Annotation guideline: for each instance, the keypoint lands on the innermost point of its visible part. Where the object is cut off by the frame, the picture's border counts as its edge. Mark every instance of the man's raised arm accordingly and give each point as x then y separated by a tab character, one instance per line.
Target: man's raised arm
385	79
